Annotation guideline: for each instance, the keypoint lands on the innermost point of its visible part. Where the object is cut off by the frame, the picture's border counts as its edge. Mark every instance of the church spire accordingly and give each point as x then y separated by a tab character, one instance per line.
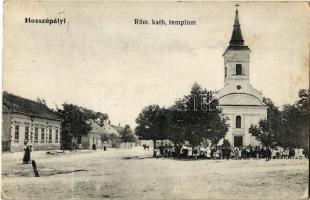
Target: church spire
236	41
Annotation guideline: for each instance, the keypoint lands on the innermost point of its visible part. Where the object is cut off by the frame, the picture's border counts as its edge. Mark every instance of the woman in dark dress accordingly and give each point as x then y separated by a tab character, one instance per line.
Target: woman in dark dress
26	155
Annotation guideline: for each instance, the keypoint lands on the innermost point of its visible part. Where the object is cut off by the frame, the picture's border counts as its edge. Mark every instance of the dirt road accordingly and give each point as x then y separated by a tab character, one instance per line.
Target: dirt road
132	174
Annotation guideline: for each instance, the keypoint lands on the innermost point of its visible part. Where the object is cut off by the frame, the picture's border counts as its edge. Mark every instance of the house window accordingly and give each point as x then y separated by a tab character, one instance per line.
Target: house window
225	72
16	135
50	136
42	135
56	136
36	134
238	69
26	133
238	122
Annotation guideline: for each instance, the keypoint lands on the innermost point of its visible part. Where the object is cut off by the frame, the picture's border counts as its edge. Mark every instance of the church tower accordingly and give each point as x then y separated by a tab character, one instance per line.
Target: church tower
239	100
236	56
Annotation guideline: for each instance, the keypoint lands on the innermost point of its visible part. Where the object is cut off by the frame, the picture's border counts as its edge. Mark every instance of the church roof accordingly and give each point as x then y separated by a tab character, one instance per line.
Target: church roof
236	42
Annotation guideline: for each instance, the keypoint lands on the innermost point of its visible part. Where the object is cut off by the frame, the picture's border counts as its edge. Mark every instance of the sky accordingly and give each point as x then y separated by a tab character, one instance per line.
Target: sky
101	60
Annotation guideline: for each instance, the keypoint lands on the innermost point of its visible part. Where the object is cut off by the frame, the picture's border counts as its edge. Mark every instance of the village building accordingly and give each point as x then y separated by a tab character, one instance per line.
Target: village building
94	136
24	120
239	100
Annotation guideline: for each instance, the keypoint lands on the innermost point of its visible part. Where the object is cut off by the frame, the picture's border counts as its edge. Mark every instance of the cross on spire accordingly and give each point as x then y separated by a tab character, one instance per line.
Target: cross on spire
236	40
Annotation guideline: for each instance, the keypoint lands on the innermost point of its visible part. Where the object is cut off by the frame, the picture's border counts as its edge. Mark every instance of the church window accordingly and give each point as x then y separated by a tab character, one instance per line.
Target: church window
238	87
238	69
238	122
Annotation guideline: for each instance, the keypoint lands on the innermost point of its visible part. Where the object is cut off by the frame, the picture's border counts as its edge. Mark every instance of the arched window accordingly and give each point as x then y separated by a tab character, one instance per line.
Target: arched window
238	69
238	122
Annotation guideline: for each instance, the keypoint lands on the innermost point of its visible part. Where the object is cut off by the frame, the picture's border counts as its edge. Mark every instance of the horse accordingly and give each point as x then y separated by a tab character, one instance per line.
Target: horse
146	147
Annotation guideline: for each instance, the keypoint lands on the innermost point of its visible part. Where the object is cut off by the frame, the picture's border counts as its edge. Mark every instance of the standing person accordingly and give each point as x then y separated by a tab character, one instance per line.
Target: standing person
243	152
208	152
94	147
286	153
240	152
228	152
220	152
247	153
195	152
30	150
203	151
263	152
190	151
26	155
213	152
172	151
273	153
301	153
236	153
217	153
296	153
157	153
177	150
291	153
268	154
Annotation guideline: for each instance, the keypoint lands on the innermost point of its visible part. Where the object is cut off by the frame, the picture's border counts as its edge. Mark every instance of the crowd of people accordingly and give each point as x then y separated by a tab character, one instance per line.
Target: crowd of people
228	152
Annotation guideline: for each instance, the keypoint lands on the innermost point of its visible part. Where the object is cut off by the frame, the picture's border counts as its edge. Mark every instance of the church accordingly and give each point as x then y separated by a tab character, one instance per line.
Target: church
239	100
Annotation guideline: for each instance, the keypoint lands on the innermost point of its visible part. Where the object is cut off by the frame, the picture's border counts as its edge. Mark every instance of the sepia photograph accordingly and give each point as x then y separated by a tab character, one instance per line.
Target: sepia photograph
155	100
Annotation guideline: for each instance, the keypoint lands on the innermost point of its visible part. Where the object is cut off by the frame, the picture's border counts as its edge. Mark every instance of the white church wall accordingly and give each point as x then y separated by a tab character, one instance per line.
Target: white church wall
249	115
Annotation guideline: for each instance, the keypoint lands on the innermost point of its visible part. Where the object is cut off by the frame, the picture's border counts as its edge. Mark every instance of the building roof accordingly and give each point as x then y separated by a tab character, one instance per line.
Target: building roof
106	129
118	128
236	42
96	128
25	106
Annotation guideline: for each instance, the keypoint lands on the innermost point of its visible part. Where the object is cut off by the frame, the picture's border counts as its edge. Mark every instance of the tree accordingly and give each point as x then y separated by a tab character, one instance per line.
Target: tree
41	101
97	117
226	143
295	122
127	135
74	122
263	132
275	119
289	127
196	117
303	102
295	126
104	137
115	140
151	124
65	138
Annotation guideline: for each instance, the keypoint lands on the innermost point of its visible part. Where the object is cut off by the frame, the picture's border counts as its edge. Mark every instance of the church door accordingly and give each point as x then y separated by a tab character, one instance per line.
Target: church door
238	141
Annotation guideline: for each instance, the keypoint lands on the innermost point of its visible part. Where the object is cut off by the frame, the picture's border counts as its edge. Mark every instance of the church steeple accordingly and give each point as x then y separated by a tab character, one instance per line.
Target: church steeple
236	42
236	56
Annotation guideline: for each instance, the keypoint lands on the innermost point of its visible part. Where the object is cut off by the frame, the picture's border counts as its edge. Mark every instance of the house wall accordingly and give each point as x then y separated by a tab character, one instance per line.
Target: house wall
19	124
90	139
6	129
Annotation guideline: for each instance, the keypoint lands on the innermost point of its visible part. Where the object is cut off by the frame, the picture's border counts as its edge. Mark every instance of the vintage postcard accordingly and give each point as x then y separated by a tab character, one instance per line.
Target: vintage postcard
155	100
